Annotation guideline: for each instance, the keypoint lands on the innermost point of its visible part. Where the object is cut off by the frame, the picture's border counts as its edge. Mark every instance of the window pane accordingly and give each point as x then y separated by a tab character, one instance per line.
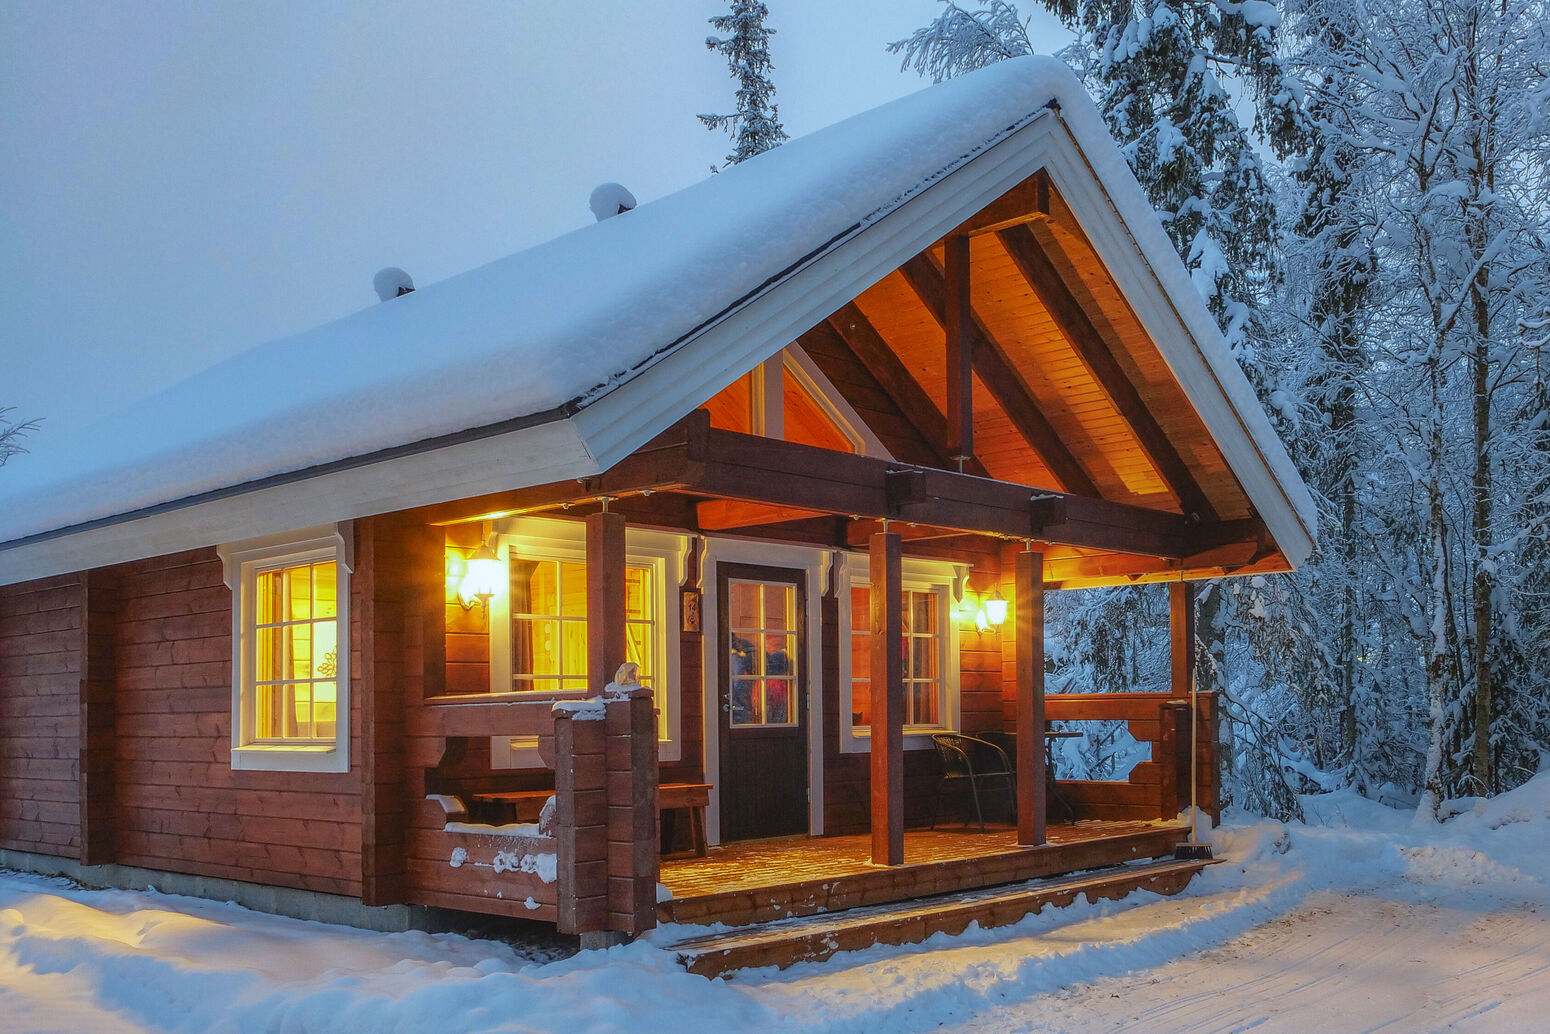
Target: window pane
268	712
535	646
777	701
298	591
779	654
922	612
637	593
861	656
860	609
325	698
325	590
325	645
269	658
743	604
573	590
747	707
573	650
779	606
637	646
268	598
923	657
299	640
293	727
860	703
523	587
923	704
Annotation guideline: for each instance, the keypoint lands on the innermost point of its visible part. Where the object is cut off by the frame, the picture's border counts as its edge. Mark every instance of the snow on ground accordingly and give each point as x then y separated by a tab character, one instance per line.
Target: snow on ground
1362	919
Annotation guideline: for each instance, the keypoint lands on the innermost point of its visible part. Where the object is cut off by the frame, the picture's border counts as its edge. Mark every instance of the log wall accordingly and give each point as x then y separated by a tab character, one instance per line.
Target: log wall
41	652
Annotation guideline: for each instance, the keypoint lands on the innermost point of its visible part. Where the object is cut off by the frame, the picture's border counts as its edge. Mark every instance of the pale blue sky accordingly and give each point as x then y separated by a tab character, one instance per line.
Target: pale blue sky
181	182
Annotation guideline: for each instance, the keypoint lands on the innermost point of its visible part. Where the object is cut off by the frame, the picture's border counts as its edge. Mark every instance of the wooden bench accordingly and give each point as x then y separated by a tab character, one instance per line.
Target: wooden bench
526	805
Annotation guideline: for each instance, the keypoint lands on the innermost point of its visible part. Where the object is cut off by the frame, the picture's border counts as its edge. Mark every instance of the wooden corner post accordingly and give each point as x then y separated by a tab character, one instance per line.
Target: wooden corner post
605	597
98	722
887	700
1029	604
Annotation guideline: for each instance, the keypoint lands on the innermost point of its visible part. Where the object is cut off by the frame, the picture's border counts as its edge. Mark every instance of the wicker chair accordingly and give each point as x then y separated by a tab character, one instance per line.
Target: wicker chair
968	761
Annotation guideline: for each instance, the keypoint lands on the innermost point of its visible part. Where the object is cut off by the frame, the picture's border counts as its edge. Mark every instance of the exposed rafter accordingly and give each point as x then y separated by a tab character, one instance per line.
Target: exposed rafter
1029	255
1027	201
999	375
896	382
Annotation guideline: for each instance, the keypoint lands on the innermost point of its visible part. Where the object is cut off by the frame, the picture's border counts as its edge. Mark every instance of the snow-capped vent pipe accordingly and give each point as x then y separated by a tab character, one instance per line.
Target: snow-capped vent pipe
392	282
611	199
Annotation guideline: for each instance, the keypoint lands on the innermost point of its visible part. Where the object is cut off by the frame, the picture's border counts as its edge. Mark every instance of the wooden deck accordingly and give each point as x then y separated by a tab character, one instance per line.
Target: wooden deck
761	881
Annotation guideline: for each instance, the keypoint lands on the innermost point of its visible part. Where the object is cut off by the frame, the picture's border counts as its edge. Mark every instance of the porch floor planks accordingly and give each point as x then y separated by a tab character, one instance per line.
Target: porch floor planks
760	881
814	938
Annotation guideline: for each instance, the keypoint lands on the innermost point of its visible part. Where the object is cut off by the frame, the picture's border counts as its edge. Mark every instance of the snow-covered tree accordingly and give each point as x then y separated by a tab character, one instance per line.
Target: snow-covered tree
11	432
755	125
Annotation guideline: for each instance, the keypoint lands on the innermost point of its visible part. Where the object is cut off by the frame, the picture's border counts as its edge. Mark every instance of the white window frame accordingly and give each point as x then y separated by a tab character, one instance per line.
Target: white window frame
940	577
242	562
665	554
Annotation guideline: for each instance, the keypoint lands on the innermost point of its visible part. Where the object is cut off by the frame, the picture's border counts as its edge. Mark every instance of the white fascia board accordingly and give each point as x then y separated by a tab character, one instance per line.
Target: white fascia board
535	455
619	422
1186	335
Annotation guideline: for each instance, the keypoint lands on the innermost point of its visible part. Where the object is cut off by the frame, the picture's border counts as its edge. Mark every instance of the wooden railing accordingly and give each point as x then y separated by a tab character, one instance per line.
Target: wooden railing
592	866
1158	788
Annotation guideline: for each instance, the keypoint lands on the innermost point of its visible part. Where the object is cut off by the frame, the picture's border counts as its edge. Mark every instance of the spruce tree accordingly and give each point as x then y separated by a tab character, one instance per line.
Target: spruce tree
755	126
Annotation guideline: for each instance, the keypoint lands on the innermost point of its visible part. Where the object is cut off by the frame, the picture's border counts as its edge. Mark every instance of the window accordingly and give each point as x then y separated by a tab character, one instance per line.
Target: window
923	635
762	640
538	621
549	623
290	662
930	651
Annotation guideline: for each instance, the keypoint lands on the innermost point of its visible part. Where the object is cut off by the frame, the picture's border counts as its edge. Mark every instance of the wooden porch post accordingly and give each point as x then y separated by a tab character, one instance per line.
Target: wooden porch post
1029	603
960	350
605	597
887	700
1181	632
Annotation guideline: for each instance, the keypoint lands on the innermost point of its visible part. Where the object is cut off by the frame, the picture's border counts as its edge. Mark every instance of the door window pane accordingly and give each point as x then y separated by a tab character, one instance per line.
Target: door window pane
761	641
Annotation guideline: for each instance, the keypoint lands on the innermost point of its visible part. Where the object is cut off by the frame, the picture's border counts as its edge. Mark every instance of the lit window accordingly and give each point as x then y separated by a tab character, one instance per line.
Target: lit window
923	635
549	624
290	662
538	622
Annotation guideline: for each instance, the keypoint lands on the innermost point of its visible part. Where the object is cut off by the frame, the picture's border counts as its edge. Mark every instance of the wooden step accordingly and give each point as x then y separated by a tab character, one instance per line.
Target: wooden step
813	938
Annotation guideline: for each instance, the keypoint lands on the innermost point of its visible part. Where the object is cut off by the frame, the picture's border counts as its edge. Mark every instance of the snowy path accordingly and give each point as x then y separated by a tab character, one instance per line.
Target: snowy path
1360	922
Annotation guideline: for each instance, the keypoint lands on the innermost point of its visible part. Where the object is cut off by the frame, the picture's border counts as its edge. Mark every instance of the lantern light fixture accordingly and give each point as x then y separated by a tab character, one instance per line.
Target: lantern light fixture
483	579
995	609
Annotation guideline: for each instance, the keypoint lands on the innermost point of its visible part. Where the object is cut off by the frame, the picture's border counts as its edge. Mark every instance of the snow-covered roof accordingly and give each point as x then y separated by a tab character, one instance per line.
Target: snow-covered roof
557	361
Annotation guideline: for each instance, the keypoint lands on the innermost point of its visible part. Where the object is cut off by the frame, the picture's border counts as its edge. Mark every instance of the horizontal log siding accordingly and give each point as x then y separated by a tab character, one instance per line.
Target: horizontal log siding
40	688
181	807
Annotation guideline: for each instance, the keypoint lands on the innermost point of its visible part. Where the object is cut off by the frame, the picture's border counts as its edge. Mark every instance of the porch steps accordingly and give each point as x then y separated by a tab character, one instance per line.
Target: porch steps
813	938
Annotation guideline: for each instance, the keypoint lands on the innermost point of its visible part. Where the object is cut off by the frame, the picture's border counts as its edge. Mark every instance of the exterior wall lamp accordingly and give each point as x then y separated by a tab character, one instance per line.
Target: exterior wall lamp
482	580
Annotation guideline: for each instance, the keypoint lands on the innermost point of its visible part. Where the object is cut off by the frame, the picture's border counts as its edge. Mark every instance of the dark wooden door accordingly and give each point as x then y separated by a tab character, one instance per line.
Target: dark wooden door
762	632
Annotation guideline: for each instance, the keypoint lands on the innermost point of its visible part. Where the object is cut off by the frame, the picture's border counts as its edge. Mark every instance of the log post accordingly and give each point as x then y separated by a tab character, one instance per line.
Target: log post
581	822
887	700
605	597
630	756
1181	635
959	319
1029	604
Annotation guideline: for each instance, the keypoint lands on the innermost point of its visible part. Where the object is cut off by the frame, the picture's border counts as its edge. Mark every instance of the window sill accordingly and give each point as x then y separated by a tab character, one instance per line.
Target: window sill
288	758
916	737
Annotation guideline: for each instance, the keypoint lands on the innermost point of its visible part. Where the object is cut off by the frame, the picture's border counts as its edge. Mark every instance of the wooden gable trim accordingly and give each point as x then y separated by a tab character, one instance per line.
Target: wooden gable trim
1094	352
999	375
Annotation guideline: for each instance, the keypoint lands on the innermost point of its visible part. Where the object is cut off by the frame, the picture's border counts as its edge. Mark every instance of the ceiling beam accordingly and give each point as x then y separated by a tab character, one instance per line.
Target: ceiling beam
883	363
999	375
730	514
1090	347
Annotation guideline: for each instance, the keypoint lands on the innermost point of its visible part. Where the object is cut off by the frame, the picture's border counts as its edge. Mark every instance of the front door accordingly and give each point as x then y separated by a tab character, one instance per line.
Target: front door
763	701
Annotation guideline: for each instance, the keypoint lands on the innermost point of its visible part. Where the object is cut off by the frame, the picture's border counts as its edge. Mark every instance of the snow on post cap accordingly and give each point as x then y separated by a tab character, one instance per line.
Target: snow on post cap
609	200
391	282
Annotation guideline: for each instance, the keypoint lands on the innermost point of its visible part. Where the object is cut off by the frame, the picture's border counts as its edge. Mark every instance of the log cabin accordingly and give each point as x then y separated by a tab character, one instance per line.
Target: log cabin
327	626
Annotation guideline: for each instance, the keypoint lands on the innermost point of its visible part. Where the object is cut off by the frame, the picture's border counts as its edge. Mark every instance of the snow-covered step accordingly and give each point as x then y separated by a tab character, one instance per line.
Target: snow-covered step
812	938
